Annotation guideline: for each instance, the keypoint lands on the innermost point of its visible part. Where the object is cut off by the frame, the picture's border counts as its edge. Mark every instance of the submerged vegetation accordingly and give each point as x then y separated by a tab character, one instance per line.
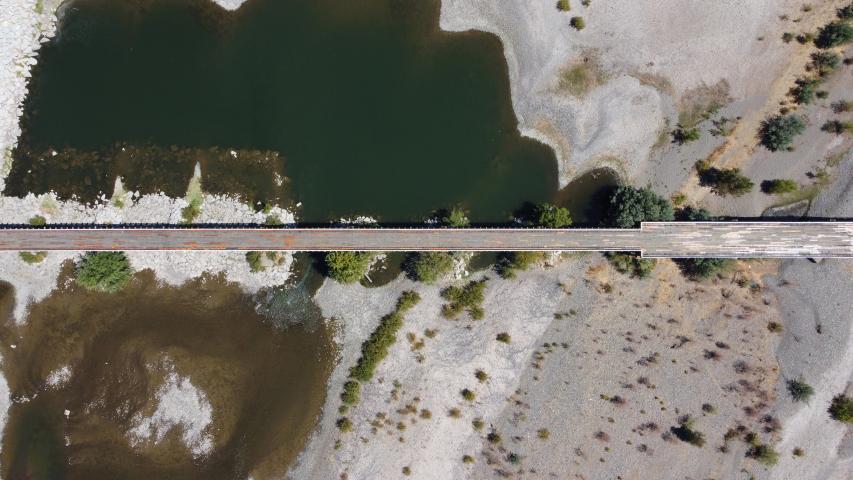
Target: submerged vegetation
103	271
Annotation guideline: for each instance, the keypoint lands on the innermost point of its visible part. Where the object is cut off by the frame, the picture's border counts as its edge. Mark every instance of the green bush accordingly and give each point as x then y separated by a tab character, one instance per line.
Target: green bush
192	210
351	393
692	214
468	394
686	433
778	186
800	391
375	348
726	181
564	5
510	263
805	90
628	206
503	337
777	133
468	298
825	62
428	267
255	260
33	257
841	408
631	264
834	34
577	23
344	424
837	127
551	216
842	106
682	135
764	454
347	267
38	221
787	37
103	271
702	268
846	13
456	218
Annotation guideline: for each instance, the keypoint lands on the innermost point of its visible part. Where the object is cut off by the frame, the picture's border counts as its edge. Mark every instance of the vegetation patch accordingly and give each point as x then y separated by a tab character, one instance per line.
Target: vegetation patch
464	299
428	267
376	347
800	390
103	271
255	261
631	264
579	79
841	408
777	133
702	268
701	103
725	181
33	257
628	206
347	267
510	263
686	432
37	221
834	34
779	186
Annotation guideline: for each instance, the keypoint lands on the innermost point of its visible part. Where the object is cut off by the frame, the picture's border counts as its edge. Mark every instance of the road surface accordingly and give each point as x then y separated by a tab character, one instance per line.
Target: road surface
653	239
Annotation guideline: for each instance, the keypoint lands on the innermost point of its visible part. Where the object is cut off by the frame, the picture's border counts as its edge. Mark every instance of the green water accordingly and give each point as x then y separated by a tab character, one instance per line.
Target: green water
371	107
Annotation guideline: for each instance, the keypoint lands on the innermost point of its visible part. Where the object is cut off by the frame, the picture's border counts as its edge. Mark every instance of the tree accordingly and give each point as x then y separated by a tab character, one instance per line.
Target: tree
778	132
834	34
778	186
103	271
551	216
846	13
701	268
841	408
805	91
429	267
347	267
692	214
726	181
628	206
455	217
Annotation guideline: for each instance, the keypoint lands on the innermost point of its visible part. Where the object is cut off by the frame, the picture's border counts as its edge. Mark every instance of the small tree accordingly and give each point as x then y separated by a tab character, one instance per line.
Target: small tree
726	181
351	393
778	132
778	186
456	218
104	271
841	408
551	216
628	206
800	391
347	267
834	34
429	267
805	90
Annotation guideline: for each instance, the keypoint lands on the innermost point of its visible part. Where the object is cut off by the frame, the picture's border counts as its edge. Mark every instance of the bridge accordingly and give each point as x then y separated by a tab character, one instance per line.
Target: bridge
652	239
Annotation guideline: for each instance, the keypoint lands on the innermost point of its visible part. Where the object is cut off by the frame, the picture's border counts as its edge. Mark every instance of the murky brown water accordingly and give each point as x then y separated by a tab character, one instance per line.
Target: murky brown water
266	385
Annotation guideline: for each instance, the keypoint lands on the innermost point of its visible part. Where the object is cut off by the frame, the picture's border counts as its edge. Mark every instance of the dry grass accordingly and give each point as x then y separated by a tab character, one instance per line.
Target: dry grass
580	78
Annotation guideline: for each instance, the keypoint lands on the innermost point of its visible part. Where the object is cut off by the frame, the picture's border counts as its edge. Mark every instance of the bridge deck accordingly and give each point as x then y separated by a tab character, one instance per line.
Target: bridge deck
653	239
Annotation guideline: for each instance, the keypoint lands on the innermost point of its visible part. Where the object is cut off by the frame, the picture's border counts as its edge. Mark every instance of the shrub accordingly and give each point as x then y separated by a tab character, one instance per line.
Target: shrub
255	260
468	395
103	271
38	221
467	459
481	376
846	13
577	23
503	337
564	5
800	391
543	433
837	127
778	132
765	454
351	393
834	34
192	210
33	257
682	135
778	186
686	433
825	62
805	38
841	408
551	216
805	90
628	206
493	437
344	424
701	268
455	217
787	37
510	263
842	106
478	424
798	452
692	214
631	264
468	298
375	348
726	181
347	267
428	267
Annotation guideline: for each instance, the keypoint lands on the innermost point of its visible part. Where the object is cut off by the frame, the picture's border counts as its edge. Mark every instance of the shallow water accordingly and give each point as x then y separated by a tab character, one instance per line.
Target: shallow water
370	107
266	384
